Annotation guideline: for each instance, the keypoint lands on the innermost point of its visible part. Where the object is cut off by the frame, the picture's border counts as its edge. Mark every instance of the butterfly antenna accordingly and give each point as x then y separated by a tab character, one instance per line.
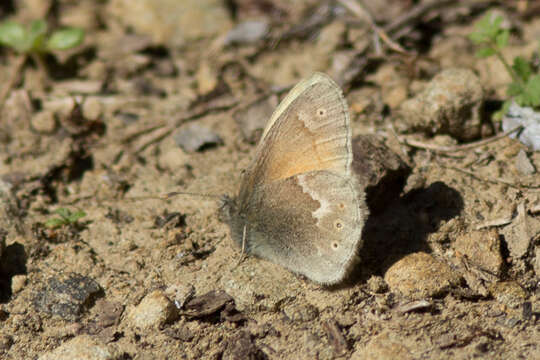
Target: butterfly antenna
170	195
243	247
175	193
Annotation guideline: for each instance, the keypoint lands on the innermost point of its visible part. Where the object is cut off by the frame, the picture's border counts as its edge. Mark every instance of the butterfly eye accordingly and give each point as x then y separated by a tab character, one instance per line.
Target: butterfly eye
338	225
321	112
335	245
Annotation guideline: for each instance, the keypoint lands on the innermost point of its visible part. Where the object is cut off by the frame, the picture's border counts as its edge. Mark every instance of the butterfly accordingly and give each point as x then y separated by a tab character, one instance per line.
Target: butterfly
300	205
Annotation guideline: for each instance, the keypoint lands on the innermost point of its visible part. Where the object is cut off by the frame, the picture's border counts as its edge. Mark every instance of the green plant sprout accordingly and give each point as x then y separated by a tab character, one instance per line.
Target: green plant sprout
36	39
491	37
67	217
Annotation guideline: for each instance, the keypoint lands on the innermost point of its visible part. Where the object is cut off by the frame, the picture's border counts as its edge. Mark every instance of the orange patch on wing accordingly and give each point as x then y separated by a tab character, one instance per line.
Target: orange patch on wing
321	157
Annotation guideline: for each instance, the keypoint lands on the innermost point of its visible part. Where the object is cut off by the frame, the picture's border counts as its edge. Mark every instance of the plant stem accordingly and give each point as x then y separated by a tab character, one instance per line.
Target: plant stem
507	66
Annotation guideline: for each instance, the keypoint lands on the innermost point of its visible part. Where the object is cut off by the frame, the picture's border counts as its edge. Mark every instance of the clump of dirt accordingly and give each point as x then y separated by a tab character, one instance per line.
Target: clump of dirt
166	96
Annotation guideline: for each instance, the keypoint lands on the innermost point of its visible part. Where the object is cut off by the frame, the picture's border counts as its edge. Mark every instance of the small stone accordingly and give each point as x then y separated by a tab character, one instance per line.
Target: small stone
518	233
395	96
92	108
179	294
451	104
18	283
420	275
67	296
482	248
44	122
195	137
383	347
82	347
529	119
253	118
301	313
509	293
171	22
377	285
207	78
536	263
247	32
153	311
523	164
260	286
379	169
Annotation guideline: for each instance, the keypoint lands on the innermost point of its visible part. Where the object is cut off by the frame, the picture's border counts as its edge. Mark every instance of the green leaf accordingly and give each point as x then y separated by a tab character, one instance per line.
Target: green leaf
36	35
514	89
522	68
485	52
65	39
502	38
14	35
55	222
76	216
63	212
532	91
478	37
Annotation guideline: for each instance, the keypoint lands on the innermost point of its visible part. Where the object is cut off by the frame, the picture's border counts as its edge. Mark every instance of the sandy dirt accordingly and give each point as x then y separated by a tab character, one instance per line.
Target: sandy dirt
164	97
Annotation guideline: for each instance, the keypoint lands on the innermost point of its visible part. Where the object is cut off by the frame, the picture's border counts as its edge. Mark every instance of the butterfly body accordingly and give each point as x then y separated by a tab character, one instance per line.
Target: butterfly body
300	205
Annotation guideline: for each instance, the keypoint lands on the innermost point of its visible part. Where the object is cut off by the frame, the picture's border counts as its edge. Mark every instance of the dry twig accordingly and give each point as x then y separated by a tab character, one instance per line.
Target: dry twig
452	149
358	9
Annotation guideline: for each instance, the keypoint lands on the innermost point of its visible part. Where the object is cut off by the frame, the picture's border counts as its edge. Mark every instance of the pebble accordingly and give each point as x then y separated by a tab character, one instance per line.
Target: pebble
44	122
179	294
301	312
482	248
154	310
253	118
247	32
82	347
67	296
518	234
452	103
420	275
529	119
257	285
377	285
536	263
195	137
523	164
383	172
92	108
172	22
18	282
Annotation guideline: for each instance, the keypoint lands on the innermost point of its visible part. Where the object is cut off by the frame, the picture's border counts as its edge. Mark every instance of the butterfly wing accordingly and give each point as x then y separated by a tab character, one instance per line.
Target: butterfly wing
310	223
299	203
308	131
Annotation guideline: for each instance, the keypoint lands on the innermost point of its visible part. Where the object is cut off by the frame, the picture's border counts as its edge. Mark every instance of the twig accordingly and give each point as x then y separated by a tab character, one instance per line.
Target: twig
452	149
414	14
359	9
13	78
492	180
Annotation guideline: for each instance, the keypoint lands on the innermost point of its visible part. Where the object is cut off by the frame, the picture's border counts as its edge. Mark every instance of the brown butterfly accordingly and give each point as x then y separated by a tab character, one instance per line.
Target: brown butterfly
300	205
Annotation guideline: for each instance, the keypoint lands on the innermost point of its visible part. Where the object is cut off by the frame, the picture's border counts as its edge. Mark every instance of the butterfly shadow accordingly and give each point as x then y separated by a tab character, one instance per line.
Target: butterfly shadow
403	227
